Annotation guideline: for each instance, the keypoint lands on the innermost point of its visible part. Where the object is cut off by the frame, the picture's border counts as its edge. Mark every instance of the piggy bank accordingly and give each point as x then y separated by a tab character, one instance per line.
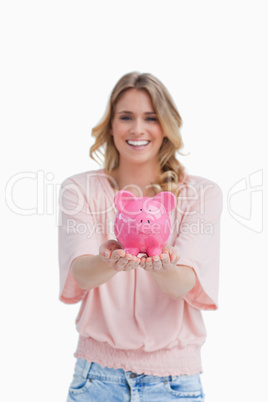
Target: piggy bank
142	224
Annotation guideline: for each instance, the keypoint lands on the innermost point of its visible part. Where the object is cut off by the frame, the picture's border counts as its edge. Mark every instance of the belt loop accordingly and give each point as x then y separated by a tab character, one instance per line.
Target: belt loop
86	369
174	377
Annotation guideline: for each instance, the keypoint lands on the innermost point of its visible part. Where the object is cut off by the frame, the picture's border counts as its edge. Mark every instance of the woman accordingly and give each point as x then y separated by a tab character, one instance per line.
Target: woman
140	322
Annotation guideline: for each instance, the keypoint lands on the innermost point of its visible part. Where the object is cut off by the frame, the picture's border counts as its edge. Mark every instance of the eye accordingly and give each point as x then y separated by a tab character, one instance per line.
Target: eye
125	118
151	119
141	209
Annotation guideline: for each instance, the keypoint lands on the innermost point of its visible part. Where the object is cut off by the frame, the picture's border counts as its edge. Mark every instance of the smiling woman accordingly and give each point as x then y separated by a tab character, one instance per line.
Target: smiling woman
137	135
154	110
140	321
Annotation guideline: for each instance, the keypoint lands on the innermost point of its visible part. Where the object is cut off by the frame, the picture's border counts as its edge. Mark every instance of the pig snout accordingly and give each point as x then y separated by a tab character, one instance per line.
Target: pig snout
144	218
146	223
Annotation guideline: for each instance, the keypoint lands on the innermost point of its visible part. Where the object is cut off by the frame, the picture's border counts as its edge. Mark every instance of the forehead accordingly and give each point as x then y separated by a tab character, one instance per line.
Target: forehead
135	99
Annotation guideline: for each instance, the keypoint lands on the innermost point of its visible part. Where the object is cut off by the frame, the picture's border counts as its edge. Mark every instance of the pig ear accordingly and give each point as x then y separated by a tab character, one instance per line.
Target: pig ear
166	198
122	198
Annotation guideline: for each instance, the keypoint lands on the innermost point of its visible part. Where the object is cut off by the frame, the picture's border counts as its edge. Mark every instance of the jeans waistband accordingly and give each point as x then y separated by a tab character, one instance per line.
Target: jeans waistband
94	371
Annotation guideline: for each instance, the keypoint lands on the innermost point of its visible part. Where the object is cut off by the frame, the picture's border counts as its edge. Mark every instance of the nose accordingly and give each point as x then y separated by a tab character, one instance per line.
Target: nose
144	217
137	127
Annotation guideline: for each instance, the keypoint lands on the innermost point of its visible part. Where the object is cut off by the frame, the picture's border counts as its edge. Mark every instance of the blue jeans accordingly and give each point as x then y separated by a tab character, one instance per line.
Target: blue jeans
91	382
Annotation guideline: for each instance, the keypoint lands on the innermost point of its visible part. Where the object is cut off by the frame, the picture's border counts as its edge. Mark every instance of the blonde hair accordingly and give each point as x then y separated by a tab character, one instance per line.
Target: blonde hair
169	119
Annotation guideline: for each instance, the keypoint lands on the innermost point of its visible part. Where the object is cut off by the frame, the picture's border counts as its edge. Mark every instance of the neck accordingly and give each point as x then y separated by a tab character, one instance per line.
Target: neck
137	178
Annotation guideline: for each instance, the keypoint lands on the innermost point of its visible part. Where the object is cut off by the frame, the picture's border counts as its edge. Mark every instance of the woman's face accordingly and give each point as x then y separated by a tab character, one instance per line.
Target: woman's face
136	130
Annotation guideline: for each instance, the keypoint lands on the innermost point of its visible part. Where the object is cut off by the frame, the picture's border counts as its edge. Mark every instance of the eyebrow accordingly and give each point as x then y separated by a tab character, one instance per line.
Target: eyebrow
128	112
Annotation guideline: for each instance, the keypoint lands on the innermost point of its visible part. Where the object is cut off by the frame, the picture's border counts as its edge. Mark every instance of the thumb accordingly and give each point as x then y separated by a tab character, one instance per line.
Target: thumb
167	250
104	252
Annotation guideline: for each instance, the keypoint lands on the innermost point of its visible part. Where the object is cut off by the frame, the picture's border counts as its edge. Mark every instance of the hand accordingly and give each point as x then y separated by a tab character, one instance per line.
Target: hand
114	255
165	261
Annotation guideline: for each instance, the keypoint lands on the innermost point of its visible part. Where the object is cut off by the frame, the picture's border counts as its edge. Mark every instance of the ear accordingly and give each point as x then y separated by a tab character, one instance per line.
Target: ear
166	198
122	198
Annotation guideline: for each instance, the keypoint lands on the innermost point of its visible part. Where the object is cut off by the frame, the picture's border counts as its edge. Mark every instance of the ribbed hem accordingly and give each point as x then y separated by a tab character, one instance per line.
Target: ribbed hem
175	361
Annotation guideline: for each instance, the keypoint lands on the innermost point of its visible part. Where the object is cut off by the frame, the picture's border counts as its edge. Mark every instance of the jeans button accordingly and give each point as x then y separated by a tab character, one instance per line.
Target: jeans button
132	375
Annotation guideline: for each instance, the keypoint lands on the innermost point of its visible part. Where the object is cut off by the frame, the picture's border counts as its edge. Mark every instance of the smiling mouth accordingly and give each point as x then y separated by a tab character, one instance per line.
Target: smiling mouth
137	143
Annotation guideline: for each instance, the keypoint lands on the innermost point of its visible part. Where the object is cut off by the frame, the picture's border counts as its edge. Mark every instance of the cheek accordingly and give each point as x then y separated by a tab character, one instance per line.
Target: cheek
159	135
117	145
118	138
117	130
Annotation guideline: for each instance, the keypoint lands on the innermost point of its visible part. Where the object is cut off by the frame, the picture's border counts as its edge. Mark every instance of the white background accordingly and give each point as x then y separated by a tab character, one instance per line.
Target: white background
60	60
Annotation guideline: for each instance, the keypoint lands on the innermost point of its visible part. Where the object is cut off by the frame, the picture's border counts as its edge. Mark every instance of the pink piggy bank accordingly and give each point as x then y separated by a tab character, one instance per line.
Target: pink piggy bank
142	224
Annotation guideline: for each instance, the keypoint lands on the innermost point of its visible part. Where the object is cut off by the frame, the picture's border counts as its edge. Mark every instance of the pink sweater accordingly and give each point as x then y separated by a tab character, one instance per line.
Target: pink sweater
128	322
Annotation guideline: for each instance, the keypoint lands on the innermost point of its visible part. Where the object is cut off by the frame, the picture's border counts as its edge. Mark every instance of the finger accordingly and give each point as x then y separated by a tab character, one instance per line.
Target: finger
175	259
110	245
133	258
172	257
142	264
121	264
164	256
132	265
148	264
157	264
165	261
130	256
116	254
143	255
124	263
168	250
104	252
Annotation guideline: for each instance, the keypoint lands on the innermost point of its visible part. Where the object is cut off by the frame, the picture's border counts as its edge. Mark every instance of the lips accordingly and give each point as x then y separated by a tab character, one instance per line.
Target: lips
138	143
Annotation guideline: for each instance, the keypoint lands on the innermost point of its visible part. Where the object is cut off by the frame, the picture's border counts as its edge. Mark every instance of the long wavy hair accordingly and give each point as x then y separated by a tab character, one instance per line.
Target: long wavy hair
169	119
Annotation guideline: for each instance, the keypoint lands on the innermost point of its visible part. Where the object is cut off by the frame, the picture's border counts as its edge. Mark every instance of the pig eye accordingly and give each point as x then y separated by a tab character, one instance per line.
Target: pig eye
141	209
149	210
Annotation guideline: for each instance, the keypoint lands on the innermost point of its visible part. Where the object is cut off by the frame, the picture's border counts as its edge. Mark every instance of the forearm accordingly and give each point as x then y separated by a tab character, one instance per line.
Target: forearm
90	271
176	282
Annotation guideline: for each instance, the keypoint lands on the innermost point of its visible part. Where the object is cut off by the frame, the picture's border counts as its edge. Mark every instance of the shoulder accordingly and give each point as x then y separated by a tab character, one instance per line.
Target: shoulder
198	184
83	180
200	193
91	187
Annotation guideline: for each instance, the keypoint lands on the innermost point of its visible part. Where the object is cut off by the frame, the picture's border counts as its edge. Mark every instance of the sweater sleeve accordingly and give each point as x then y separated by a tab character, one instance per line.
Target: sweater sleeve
198	242
76	236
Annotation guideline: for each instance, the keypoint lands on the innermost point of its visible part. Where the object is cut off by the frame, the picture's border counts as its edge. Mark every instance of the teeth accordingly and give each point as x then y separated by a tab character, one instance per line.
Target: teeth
138	143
